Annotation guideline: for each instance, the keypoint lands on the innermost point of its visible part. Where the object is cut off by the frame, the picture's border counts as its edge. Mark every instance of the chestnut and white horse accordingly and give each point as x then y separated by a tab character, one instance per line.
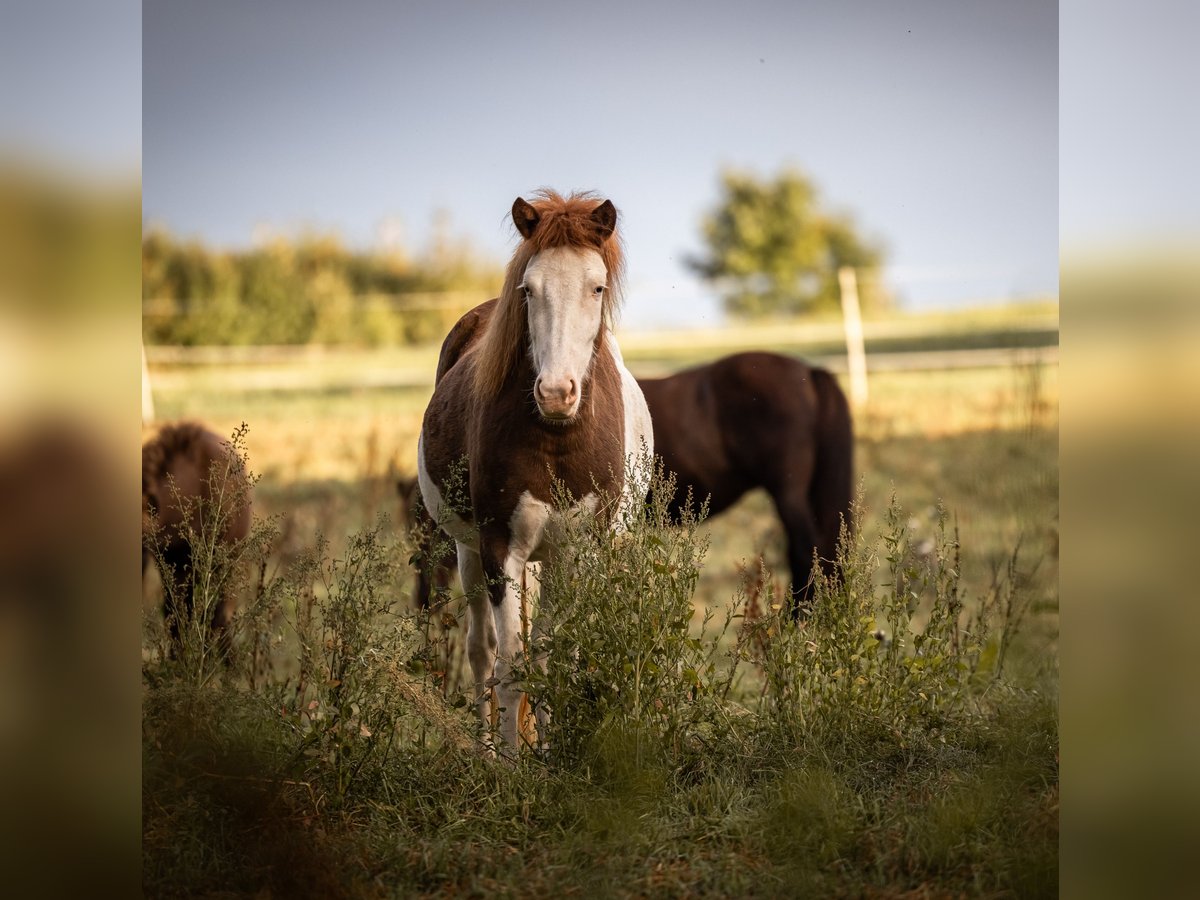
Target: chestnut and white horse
531	389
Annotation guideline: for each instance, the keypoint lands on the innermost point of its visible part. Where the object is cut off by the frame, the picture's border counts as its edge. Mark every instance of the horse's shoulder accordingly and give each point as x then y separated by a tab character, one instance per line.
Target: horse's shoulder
466	331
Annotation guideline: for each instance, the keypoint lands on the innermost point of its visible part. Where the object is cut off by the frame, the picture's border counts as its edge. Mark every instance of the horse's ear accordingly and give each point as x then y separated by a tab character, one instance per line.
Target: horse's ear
525	217
605	217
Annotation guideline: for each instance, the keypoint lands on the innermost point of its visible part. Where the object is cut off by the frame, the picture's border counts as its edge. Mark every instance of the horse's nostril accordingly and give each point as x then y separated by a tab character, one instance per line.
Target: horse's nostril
556	391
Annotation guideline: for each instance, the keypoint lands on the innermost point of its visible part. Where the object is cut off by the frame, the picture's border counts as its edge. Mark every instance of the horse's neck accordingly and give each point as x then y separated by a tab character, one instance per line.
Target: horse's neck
610	340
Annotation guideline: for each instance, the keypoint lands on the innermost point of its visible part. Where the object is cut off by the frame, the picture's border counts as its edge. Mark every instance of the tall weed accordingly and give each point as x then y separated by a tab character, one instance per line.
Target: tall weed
626	676
892	650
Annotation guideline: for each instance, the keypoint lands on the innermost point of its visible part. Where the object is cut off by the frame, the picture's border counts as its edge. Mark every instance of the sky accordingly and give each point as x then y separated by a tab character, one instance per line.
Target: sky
934	124
70	85
1130	124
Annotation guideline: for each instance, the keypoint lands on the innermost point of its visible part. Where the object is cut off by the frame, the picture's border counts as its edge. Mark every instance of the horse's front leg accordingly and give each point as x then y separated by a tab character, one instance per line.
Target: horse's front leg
505	552
481	630
503	572
541	712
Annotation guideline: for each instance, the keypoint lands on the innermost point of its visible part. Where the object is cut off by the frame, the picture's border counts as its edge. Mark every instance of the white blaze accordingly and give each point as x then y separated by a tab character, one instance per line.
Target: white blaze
565	298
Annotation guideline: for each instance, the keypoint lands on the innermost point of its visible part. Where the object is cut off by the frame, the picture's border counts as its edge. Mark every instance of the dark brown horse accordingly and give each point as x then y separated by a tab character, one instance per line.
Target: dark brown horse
434	567
193	484
747	421
531	390
756	420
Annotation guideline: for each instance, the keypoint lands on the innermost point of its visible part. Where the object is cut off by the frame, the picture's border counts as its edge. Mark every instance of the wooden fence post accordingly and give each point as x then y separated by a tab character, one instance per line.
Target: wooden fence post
147	394
856	354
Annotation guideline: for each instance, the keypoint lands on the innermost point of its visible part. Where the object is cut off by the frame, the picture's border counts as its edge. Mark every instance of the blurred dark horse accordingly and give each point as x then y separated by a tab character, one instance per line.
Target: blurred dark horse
434	570
761	420
189	474
742	422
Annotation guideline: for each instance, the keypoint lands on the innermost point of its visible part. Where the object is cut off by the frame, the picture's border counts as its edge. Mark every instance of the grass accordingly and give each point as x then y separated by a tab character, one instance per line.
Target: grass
766	790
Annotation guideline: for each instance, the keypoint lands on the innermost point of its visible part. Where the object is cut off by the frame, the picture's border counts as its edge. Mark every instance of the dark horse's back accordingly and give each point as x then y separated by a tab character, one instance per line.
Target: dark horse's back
764	420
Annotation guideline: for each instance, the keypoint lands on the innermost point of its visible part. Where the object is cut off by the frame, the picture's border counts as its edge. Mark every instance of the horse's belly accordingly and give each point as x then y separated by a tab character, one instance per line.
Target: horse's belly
457	527
639	443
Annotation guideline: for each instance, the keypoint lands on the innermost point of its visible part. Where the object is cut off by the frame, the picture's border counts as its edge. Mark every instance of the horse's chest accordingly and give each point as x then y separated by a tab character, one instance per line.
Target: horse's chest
499	482
511	456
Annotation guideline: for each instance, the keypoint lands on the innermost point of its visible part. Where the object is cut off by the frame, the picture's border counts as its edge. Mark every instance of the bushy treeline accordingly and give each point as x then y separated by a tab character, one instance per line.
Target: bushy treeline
879	749
308	290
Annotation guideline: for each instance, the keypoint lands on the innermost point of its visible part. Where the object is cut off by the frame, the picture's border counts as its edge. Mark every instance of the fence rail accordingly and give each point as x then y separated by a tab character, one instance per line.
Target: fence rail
374	376
813	339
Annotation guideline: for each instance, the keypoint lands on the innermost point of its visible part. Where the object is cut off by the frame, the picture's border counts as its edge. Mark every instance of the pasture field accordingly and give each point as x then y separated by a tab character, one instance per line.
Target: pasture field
772	792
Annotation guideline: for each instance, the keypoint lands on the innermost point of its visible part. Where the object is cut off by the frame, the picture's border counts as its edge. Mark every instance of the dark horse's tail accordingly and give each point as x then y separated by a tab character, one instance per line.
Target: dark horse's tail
833	476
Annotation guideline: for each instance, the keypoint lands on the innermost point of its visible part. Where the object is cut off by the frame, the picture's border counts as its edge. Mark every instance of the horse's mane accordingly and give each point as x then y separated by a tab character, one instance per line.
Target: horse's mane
562	222
165	445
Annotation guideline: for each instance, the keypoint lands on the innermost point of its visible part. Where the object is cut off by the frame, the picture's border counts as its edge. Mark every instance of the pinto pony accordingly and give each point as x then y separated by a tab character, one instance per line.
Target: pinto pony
761	420
531	389
193	484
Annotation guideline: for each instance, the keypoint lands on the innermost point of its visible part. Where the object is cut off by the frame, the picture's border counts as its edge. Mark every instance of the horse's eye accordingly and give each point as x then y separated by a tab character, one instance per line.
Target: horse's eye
599	290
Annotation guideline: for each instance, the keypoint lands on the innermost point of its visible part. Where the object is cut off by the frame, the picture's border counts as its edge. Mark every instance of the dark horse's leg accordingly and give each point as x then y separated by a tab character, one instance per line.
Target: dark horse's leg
830	491
176	588
219	627
812	485
179	600
800	529
436	556
434	565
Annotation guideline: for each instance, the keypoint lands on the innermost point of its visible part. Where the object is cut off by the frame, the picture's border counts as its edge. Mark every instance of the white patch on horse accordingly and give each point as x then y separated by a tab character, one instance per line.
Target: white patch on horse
537	529
639	437
449	521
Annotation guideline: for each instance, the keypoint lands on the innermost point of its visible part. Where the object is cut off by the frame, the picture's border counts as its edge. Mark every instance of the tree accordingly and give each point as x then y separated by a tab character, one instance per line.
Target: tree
306	289
772	250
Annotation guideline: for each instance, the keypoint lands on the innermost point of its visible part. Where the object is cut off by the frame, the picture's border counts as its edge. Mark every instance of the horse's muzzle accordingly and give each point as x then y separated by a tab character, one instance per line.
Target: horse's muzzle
557	399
